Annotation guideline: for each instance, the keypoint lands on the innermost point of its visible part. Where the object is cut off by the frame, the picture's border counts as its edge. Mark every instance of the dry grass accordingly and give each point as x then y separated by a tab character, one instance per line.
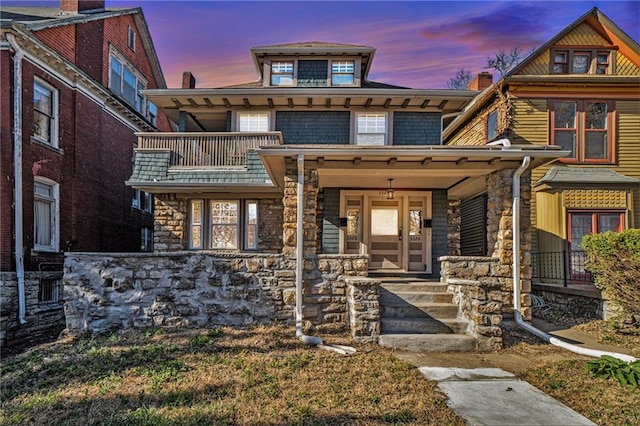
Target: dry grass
564	376
258	376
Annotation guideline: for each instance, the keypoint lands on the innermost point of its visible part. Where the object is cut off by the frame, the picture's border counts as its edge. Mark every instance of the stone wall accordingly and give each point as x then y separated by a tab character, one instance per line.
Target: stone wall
120	291
580	302
44	320
453	227
477	284
364	308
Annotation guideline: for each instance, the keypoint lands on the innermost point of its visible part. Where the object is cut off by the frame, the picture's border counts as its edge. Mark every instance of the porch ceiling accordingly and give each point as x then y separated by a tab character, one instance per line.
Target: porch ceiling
461	170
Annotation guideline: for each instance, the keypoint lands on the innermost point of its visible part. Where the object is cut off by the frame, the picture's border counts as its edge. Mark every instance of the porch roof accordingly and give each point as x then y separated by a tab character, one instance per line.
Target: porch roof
459	169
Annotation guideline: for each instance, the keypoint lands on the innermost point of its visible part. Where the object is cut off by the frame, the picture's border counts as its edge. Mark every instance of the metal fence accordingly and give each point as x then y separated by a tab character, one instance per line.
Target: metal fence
561	267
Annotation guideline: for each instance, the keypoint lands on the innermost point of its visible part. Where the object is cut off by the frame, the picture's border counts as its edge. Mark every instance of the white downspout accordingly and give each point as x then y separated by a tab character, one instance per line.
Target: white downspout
310	340
17	172
516	281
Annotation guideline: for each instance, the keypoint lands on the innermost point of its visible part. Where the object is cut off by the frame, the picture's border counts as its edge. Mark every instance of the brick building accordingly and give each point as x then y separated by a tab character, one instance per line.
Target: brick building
70	105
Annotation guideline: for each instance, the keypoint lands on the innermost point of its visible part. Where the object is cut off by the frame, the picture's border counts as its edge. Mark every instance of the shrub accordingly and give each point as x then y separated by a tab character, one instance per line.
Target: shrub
626	373
614	258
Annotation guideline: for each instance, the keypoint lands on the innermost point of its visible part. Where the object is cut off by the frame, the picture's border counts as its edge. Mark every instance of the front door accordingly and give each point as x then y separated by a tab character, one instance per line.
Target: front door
385	233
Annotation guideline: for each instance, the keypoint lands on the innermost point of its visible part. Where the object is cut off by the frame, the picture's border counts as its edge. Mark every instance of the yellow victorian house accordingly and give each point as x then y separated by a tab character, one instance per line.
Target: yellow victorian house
580	91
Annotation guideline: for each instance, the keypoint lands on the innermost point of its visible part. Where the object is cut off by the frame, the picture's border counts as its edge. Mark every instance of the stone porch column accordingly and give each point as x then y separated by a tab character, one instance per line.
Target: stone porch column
453	227
169	217
290	202
500	235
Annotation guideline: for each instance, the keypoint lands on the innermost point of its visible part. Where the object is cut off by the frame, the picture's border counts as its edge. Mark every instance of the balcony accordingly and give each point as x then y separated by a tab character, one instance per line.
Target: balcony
208	150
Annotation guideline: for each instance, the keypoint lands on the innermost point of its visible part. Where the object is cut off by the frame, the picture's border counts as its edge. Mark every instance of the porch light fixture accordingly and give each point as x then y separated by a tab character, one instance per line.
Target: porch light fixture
390	191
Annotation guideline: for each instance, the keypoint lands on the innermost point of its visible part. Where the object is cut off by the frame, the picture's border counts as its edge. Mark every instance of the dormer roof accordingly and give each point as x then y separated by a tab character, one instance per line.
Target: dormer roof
317	49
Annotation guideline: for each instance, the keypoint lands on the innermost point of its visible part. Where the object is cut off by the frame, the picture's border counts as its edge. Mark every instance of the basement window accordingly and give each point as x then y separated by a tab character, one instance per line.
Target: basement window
49	291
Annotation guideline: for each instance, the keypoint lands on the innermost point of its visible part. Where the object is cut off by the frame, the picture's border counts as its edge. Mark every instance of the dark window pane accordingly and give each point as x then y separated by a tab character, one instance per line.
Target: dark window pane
565	115
595	145
567	140
596	115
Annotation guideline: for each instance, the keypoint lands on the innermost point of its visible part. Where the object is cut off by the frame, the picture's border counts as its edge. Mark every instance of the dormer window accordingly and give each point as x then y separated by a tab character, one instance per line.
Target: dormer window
342	73
583	61
282	73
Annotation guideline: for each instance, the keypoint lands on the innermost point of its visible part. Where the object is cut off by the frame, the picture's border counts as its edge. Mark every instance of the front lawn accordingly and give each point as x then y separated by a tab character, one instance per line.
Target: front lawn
257	376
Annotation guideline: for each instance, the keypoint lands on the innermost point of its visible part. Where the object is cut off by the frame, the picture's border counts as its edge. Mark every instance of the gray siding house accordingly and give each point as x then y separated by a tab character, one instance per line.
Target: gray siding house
379	194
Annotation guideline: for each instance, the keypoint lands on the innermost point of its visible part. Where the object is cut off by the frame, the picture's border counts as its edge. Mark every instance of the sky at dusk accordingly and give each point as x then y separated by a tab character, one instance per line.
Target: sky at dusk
420	44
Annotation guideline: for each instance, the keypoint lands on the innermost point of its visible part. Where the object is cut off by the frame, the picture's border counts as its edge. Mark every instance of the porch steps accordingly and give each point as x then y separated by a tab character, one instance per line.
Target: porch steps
419	315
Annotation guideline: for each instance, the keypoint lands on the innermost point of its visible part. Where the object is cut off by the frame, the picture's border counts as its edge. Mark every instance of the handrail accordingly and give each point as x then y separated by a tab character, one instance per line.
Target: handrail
220	149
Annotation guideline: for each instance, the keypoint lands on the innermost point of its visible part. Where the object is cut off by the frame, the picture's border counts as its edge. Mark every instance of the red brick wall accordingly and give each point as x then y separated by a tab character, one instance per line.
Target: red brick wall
61	39
6	161
89	38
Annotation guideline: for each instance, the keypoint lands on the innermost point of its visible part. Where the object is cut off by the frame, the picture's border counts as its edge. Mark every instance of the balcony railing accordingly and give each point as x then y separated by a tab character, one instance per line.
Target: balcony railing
560	267
228	149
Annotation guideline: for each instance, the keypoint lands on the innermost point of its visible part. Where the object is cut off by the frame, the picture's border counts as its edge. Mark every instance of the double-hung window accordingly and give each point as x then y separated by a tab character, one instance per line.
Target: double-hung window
253	122
342	73
282	73
45	113
584	127
127	83
146	238
45	215
371	128
223	224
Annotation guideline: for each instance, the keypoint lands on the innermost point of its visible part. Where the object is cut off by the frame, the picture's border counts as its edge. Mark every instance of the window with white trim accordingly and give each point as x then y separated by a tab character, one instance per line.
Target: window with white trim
253	122
223	224
152	113
131	39
46	217
282	73
371	128
342	73
45	113
126	82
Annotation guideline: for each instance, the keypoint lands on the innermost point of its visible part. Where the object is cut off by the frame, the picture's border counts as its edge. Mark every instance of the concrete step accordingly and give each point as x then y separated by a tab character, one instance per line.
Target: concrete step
429	342
423	325
414	297
419	310
415	286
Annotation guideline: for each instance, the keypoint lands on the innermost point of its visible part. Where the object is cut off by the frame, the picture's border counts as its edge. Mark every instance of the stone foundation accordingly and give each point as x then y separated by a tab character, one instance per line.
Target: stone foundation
580	302
364	308
137	290
44	320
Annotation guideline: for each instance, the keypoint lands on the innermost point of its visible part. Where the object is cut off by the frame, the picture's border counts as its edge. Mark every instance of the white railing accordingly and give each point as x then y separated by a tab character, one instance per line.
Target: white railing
228	149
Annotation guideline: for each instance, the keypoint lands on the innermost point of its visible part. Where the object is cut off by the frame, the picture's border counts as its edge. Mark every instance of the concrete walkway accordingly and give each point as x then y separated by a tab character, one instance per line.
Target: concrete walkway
492	396
482	388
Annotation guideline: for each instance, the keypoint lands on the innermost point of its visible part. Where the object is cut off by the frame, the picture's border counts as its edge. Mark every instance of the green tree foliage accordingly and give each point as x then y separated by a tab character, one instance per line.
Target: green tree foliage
614	258
460	80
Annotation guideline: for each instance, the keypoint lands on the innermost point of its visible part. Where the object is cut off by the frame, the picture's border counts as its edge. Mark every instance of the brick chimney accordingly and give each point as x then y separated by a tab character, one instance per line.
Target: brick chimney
481	81
73	7
188	80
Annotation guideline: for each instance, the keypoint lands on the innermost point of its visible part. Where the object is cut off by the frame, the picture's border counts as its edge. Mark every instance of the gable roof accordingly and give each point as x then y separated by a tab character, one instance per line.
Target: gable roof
31	19
596	19
603	25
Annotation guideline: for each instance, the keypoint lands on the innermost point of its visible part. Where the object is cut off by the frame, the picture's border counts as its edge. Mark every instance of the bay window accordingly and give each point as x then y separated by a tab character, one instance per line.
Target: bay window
126	82
223	224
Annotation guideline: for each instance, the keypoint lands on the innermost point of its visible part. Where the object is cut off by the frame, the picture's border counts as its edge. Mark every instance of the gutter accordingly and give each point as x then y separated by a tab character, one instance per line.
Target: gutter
516	281
17	172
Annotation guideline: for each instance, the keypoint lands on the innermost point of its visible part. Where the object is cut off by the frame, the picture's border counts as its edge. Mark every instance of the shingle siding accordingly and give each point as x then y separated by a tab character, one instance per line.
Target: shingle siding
439	228
331	221
314	127
312	73
416	128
